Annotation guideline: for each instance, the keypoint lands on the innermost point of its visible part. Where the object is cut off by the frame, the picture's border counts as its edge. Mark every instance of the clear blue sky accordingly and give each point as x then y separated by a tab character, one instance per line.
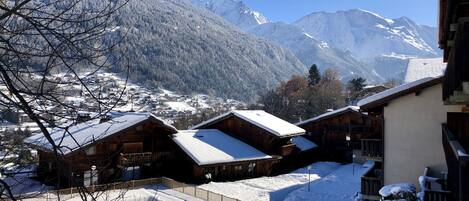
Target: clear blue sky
421	11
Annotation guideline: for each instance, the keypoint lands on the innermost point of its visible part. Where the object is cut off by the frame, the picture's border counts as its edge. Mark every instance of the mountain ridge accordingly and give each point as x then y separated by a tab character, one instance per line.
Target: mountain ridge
178	46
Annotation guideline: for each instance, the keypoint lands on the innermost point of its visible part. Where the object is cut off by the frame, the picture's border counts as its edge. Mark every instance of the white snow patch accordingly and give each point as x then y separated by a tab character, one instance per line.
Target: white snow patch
262	119
271	188
390	21
394	90
462	153
420	68
151	192
342	184
398	56
88	132
329	113
394	189
303	144
180	106
211	146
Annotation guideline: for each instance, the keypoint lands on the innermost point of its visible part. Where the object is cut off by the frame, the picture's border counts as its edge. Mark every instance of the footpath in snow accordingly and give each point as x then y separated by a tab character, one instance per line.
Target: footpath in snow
340	185
271	188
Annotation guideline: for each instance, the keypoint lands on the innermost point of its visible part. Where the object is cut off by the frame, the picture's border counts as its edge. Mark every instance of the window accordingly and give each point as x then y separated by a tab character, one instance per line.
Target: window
91	150
251	167
135	147
238	167
131	173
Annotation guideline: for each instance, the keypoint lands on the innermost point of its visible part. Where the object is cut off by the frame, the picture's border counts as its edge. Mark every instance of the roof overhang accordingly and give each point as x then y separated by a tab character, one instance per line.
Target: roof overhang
383	98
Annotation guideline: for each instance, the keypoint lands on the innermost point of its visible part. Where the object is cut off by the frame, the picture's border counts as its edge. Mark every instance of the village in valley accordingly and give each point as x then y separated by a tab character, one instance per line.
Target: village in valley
98	135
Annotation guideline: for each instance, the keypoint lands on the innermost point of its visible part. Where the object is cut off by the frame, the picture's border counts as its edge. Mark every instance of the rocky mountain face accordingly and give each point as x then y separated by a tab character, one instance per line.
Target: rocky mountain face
235	12
312	51
178	46
367	35
355	42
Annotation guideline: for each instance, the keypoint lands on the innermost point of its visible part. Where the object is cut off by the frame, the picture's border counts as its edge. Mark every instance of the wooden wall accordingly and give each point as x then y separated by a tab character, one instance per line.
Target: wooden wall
235	170
330	134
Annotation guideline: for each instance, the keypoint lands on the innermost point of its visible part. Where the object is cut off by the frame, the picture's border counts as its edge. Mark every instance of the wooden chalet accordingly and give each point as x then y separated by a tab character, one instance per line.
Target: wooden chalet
339	133
454	40
269	134
124	146
210	154
259	129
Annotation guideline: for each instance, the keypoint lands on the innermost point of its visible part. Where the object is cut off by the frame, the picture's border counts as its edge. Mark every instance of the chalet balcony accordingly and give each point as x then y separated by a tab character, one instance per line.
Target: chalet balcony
353	128
136	159
456	80
457	161
372	149
371	183
435	187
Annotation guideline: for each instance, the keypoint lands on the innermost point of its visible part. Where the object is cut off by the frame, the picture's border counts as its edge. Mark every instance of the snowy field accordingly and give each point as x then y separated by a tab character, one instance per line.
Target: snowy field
341	185
330	181
273	188
154	192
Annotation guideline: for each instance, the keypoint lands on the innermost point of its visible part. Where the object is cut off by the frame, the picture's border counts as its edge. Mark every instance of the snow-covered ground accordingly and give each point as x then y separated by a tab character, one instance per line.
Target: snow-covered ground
343	184
154	192
271	188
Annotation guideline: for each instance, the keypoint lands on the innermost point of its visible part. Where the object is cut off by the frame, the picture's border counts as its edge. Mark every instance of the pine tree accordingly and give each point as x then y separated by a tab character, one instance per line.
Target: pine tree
314	76
355	89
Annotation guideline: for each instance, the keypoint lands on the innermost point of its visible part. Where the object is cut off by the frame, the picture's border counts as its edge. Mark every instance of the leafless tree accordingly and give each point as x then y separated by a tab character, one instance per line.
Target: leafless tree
42	38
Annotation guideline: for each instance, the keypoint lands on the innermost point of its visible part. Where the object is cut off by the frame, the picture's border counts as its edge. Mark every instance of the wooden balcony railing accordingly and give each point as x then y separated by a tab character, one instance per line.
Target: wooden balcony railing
435	194
372	149
133	159
371	183
457	70
353	128
457	161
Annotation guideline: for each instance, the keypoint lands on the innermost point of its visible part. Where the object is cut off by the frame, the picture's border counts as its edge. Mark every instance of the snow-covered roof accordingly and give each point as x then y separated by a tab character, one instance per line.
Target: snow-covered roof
86	133
329	114
303	144
212	146
396	92
262	119
421	68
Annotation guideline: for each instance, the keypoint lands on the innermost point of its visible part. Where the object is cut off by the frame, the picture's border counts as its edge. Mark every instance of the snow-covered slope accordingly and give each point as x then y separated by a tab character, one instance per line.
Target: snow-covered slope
234	11
367	35
312	51
184	48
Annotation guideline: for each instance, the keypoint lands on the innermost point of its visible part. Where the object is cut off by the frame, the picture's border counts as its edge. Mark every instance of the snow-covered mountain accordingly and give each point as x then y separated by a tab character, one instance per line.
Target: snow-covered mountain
184	48
234	11
368	35
356	42
312	51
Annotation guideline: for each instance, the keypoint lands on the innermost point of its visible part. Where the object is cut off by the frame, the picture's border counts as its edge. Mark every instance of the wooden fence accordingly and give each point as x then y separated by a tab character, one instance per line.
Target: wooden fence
187	189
